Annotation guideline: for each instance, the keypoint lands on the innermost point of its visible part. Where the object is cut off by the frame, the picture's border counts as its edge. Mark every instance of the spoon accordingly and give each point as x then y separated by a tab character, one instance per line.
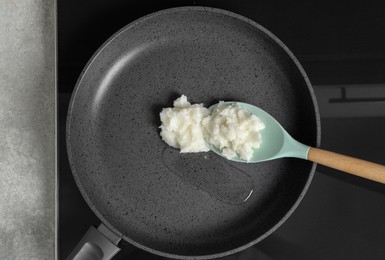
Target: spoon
277	143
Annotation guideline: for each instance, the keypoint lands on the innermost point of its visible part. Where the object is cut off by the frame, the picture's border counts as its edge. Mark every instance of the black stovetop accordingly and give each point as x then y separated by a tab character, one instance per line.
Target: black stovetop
341	217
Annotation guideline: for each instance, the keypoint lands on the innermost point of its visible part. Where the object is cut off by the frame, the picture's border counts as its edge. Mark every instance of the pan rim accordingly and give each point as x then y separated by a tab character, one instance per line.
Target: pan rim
212	10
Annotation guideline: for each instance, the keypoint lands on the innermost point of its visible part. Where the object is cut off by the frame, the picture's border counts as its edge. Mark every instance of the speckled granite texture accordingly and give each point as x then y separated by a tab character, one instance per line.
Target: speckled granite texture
27	129
146	192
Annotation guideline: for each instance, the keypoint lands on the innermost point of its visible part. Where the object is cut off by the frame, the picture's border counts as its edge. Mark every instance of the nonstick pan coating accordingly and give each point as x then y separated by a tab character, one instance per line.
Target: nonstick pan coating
187	205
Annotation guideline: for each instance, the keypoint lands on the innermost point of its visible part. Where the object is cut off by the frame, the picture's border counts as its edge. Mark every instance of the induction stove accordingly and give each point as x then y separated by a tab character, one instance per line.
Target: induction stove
341	216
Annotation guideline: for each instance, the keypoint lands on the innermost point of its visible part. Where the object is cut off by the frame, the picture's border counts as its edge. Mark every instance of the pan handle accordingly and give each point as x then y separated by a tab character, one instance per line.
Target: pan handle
96	244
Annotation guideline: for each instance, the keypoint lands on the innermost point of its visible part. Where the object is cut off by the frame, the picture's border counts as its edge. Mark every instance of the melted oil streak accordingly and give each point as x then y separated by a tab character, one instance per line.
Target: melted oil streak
210	173
251	192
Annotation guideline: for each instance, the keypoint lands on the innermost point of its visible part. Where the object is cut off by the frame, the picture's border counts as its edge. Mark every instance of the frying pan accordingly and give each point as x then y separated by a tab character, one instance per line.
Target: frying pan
188	206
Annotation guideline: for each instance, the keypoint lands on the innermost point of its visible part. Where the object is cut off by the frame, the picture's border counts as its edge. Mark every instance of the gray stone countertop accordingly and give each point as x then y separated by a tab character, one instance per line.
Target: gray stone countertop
27	129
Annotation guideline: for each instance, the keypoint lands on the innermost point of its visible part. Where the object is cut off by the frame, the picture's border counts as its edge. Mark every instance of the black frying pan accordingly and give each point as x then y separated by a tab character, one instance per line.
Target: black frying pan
187	205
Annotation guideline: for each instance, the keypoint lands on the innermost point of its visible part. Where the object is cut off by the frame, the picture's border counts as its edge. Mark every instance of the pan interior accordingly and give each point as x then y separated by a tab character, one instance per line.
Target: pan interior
185	204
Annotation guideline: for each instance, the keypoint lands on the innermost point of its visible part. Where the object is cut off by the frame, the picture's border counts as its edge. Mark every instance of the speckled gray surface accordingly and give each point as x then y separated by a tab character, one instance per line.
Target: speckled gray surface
27	130
133	180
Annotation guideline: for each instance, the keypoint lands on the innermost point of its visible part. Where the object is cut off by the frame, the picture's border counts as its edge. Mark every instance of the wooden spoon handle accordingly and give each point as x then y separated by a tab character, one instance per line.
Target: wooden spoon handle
358	167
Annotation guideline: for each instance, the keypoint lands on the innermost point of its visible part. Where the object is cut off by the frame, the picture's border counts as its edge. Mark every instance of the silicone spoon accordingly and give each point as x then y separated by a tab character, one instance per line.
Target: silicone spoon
277	143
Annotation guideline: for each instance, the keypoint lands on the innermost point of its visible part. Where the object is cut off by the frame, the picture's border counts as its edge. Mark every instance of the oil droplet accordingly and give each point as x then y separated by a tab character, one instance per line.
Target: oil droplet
210	173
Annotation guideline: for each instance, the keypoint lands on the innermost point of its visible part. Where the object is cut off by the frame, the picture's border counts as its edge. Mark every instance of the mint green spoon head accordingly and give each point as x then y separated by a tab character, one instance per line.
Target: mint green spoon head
276	142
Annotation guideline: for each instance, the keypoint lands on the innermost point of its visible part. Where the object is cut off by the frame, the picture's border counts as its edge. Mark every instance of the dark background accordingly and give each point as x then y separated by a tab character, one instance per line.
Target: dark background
339	42
335	41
